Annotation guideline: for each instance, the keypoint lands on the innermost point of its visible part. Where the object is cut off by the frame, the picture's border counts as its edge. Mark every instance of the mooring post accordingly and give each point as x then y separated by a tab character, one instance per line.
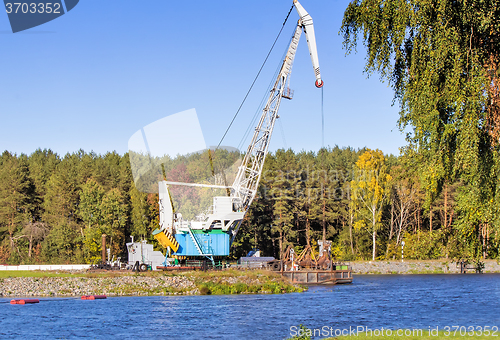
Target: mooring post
103	251
402	251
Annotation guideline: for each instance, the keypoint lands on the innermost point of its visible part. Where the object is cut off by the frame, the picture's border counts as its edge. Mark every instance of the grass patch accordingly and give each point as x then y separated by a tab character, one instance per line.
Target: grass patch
241	282
204	290
208	288
250	274
35	273
425	271
58	273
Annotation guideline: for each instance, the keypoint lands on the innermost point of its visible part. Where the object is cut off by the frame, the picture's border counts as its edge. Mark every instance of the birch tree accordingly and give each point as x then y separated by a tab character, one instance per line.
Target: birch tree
369	191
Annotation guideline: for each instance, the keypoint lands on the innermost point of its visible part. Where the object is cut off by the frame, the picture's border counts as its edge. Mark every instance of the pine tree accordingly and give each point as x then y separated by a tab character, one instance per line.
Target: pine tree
14	199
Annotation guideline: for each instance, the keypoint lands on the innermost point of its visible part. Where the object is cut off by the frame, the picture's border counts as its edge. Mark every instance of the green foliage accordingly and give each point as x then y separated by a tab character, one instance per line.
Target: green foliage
442	59
47	204
102	213
63	244
93	244
204	290
224	288
89	207
54	210
369	189
301	197
15	207
424	245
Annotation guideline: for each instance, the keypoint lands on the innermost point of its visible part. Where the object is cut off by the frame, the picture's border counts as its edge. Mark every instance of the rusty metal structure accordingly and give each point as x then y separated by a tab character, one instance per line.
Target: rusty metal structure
310	268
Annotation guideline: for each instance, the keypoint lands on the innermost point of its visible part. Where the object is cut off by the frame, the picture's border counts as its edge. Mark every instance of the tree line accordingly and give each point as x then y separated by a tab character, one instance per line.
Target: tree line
367	204
54	209
442	60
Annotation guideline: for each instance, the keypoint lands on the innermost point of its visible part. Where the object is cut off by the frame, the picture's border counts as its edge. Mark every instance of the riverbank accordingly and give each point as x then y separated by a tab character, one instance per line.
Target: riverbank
416	267
62	284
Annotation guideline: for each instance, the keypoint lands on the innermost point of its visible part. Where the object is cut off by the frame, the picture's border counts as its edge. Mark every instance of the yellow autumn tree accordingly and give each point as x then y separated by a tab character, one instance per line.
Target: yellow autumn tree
369	190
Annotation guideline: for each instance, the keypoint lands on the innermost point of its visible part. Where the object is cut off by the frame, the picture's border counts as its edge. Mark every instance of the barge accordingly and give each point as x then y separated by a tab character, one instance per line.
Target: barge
330	277
309	269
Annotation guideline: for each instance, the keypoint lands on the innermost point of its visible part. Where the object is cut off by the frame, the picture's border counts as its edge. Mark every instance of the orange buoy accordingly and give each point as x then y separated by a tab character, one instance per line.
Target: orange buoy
93	297
23	301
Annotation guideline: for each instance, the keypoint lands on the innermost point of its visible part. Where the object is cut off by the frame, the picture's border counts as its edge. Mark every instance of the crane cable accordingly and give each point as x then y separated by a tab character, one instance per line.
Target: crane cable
264	99
257	76
322	120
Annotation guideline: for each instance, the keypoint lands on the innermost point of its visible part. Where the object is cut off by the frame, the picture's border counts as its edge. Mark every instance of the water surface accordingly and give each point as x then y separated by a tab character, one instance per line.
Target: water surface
373	301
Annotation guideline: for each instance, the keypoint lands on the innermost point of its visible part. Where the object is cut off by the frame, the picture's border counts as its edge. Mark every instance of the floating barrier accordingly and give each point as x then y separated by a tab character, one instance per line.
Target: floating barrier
24	301
93	297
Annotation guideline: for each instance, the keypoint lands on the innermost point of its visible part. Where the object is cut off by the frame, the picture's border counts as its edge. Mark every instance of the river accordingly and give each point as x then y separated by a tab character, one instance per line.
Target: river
372	301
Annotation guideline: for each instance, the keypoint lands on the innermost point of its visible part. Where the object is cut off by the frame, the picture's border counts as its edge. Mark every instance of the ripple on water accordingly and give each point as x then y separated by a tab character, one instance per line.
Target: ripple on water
389	301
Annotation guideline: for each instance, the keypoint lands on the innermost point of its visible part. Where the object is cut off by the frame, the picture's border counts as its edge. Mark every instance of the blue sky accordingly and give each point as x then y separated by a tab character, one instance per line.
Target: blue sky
93	77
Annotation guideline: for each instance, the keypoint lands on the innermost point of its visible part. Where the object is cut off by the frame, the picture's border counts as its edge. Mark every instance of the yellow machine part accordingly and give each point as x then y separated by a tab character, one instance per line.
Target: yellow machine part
167	240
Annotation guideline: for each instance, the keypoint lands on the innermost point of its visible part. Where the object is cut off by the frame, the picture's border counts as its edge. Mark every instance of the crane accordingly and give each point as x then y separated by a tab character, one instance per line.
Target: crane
213	232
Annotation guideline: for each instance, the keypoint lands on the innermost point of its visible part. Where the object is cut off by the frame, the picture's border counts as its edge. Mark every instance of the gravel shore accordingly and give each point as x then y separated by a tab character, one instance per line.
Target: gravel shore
120	285
79	283
77	286
416	267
